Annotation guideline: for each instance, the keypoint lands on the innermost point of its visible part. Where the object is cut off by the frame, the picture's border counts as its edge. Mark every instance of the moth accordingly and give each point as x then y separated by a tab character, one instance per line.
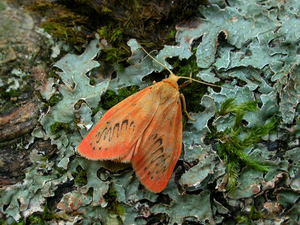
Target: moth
145	130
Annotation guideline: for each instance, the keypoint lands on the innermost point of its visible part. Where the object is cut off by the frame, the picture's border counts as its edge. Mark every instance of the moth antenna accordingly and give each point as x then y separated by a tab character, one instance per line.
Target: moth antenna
186	82
198	81
179	77
170	71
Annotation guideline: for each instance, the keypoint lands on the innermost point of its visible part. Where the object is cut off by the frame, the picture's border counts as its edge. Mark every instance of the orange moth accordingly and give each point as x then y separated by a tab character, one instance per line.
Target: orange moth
145	130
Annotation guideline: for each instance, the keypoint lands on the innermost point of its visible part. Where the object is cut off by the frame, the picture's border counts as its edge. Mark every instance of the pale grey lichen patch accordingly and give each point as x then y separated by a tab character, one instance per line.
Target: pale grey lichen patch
258	60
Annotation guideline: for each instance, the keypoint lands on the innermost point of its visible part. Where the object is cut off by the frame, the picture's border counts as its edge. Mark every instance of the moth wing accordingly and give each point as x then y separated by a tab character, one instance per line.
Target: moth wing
160	146
116	134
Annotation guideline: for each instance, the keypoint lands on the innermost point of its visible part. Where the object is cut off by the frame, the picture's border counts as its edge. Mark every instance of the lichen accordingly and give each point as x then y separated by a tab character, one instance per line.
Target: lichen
251	50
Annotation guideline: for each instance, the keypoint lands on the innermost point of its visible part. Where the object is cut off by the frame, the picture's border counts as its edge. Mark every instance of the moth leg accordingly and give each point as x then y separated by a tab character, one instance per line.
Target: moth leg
184	107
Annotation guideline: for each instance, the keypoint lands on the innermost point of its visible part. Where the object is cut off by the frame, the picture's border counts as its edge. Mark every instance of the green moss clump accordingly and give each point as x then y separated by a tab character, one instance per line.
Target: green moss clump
57	126
92	81
113	205
36	218
194	91
55	99
254	214
80	177
231	147
113	35
53	74
62	31
110	98
47	215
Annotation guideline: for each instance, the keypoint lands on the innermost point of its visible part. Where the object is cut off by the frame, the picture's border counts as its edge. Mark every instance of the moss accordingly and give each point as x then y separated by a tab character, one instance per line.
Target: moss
38	218
114	36
95	110
53	74
8	94
113	205
78	105
61	22
111	35
55	99
152	23
159	218
231	147
71	35
80	177
92	81
110	98
11	93
27	88
253	215
57	126
60	170
194	91
2	6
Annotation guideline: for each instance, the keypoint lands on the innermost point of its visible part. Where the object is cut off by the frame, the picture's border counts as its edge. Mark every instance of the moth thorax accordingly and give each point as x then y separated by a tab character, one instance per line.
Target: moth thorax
172	80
